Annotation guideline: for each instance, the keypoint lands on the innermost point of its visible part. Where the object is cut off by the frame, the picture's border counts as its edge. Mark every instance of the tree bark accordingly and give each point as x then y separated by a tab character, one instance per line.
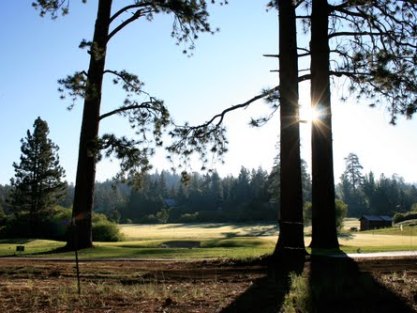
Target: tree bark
291	236
324	233
81	236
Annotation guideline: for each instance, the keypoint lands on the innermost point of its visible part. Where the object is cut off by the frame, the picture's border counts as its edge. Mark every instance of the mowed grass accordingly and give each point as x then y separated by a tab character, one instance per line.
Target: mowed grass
197	231
31	246
210	241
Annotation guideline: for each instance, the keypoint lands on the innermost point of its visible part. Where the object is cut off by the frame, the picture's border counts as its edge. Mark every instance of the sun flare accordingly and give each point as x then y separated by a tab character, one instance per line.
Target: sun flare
309	115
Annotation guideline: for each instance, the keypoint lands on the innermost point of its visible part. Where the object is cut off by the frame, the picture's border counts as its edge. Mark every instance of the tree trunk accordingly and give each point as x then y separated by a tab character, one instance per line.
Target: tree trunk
324	233
291	236
81	236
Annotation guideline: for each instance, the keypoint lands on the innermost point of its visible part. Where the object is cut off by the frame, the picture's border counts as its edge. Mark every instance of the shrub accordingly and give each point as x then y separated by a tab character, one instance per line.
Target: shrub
16	226
55	223
189	218
105	230
149	219
52	224
398	217
307	213
163	216
341	211
401	217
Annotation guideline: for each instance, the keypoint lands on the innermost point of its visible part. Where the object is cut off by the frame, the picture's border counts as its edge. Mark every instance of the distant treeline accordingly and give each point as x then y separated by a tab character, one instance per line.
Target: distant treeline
165	198
365	194
251	196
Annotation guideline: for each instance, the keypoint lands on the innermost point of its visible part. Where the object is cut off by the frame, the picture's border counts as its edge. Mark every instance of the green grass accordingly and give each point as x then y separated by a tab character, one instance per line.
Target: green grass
32	246
174	253
200	241
238	248
361	249
407	230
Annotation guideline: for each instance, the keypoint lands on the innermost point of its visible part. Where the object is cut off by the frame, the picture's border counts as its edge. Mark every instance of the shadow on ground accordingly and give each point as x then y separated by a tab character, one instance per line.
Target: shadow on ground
327	284
267	293
338	285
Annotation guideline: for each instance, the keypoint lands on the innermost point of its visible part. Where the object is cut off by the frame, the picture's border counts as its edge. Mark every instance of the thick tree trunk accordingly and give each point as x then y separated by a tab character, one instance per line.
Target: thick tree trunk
291	236
81	236
324	233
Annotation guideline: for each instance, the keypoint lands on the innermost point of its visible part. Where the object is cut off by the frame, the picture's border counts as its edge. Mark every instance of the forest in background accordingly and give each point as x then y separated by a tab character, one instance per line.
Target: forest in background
252	196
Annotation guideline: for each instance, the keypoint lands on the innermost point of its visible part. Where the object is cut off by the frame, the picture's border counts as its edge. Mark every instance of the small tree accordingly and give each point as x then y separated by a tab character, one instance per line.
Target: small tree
37	184
341	212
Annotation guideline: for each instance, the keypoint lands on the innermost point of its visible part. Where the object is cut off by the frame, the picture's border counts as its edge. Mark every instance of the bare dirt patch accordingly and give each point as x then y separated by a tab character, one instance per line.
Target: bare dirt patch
169	286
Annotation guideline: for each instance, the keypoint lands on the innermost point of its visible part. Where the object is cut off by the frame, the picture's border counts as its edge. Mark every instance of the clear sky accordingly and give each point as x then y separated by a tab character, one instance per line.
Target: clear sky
226	69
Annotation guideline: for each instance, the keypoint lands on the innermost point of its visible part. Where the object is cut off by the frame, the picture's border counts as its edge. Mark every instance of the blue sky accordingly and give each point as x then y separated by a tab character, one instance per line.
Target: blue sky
226	69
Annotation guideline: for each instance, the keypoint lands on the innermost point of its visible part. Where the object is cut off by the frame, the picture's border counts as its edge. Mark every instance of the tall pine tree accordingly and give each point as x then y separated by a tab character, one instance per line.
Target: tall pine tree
145	113
37	184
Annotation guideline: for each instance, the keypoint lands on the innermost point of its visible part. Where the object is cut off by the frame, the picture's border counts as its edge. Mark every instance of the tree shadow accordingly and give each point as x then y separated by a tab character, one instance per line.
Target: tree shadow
337	285
346	236
63	249
267	294
19	241
193	225
317	284
261	230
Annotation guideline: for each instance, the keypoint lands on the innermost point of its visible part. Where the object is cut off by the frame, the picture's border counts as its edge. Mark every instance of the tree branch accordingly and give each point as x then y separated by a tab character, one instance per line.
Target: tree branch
143	105
245	104
221	115
304	78
133	18
125	9
339	34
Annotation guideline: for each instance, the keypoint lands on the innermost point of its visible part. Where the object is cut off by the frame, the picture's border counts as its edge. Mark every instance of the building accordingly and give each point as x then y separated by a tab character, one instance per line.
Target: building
375	221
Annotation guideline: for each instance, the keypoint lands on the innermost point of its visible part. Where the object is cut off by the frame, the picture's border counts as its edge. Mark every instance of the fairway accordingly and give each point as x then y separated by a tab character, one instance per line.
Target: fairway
376	240
268	233
197	231
209	241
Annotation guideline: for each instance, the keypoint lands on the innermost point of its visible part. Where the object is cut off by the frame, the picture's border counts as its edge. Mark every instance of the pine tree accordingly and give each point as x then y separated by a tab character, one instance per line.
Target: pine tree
37	184
353	171
145	113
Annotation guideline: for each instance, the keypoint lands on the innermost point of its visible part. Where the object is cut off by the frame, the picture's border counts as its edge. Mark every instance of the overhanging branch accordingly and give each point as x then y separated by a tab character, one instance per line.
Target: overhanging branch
126	9
143	105
122	25
220	117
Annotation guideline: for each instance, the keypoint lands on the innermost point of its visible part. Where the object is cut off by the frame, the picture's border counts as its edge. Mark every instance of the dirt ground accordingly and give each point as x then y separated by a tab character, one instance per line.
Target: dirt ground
206	286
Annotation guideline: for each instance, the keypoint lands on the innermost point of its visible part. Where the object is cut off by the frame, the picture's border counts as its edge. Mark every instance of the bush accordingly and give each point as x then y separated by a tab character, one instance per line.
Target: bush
15	226
307	213
341	211
401	217
55	224
105	230
52	224
189	218
149	219
398	217
163	216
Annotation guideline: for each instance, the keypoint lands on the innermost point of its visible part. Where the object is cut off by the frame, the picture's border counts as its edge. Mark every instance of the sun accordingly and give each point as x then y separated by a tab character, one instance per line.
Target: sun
308	114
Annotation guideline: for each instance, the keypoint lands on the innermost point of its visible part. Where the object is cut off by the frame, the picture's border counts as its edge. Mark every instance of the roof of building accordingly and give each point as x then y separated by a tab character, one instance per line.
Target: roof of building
377	218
